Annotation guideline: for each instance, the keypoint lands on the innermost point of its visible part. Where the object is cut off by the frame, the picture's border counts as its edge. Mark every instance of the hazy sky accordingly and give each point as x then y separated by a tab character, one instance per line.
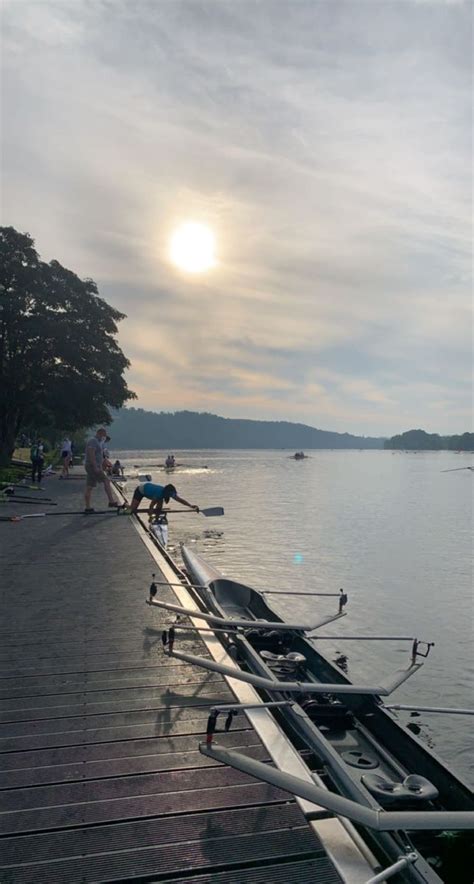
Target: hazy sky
326	143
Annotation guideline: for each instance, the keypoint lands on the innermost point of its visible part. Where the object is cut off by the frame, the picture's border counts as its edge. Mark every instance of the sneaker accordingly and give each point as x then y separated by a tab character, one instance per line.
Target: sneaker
89	510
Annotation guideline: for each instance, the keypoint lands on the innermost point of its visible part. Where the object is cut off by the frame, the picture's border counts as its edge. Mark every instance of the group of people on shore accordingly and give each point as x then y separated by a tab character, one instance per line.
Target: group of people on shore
37	457
100	470
96	475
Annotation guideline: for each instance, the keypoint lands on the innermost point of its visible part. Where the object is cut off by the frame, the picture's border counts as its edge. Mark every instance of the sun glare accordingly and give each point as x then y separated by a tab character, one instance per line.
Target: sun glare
193	248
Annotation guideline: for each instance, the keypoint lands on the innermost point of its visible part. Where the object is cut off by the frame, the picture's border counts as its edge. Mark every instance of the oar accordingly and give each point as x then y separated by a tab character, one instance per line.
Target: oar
10	496
119	511
22	485
25	501
10	492
210	511
456	469
24	498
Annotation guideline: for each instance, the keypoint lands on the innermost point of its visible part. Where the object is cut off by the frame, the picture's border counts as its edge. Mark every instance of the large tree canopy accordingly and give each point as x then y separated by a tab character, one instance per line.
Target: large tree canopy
60	363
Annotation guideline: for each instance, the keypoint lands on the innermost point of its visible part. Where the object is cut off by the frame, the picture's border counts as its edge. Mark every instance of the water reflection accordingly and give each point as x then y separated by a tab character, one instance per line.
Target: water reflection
390	529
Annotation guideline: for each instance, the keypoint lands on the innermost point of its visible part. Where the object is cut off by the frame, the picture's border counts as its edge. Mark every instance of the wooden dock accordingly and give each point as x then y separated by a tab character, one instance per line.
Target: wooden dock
100	774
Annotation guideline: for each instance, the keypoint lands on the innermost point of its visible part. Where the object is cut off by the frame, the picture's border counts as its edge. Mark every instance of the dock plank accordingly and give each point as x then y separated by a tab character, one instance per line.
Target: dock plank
101	779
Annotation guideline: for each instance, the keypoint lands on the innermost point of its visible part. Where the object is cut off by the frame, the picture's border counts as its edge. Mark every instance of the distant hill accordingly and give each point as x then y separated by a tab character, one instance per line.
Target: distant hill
135	428
418	440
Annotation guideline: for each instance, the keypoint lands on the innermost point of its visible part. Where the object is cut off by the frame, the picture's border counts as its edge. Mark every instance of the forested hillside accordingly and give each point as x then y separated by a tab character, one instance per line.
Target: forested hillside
135	428
418	440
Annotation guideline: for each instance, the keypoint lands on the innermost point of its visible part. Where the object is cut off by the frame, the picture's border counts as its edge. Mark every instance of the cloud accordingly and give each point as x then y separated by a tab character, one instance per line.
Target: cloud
331	154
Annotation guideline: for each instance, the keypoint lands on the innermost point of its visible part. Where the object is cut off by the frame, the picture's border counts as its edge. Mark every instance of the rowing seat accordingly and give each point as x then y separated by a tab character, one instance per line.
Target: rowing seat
277	642
334	716
283	664
412	788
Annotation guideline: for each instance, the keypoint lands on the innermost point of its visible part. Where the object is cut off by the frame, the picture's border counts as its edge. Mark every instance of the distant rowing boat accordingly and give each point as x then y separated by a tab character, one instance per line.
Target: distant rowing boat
186	466
457	469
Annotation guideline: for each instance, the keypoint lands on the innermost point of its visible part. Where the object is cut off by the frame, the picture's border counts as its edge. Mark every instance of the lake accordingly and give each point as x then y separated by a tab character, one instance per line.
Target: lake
389	527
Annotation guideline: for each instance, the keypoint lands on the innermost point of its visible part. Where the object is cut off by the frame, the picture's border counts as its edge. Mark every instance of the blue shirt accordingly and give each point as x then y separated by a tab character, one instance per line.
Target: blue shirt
154	492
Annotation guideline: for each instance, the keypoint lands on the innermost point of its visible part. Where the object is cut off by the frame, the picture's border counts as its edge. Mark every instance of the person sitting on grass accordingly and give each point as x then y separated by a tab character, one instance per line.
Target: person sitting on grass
156	494
95	475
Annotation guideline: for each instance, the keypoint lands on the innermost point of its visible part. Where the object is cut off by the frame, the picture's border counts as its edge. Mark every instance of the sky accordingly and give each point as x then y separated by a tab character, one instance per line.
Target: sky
327	145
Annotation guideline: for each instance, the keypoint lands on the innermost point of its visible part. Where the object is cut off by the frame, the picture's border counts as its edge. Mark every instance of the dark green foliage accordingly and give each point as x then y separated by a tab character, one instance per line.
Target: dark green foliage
60	365
415	440
418	440
465	442
136	428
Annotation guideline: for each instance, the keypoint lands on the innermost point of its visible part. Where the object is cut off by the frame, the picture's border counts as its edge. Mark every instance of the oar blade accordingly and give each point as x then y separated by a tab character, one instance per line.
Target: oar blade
213	511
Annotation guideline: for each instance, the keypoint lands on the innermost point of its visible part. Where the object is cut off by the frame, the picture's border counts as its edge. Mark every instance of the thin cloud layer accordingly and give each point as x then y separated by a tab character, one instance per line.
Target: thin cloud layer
328	146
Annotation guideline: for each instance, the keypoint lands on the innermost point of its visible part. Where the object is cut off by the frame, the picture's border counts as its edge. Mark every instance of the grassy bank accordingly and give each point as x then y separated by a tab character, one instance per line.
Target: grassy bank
22	466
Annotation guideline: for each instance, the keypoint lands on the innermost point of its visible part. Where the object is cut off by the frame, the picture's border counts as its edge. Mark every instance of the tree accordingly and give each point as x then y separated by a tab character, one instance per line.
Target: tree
136	428
418	440
415	440
60	364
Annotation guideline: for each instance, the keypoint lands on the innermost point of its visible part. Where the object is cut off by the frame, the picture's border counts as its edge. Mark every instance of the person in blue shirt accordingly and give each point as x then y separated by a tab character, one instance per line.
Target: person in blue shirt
157	494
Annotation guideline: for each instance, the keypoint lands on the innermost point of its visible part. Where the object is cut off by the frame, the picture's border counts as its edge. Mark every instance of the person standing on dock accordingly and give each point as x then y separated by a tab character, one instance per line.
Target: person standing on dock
66	457
156	494
37	461
94	464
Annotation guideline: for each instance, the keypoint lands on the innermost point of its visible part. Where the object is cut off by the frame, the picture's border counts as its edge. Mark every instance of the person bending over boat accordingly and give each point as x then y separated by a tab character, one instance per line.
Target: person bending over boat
157	494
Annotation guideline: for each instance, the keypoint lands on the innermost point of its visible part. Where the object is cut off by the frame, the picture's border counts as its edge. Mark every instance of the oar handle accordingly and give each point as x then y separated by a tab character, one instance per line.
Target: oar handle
163	512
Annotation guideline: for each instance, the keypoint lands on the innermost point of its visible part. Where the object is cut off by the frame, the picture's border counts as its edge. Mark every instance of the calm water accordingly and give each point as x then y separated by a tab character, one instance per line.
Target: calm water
392	529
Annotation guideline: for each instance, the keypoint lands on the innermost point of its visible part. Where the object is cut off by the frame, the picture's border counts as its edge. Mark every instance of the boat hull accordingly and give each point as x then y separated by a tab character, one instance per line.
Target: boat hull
381	724
365	728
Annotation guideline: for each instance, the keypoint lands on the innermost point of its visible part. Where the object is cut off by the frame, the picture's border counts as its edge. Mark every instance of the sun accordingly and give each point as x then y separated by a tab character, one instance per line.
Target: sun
193	247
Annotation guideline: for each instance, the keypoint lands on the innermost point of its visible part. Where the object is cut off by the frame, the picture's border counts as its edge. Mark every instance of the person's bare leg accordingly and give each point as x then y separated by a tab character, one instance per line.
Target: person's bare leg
108	491
87	497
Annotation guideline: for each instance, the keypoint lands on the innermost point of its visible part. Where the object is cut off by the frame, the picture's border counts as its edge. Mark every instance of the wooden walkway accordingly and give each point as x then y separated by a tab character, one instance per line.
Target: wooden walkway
100	774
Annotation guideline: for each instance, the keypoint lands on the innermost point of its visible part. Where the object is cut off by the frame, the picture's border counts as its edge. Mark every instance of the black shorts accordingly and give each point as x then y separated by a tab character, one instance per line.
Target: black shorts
137	495
65	454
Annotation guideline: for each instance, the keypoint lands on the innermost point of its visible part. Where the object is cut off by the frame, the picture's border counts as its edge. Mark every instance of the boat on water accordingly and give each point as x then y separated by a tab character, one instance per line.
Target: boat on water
139	477
407	804
299	455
